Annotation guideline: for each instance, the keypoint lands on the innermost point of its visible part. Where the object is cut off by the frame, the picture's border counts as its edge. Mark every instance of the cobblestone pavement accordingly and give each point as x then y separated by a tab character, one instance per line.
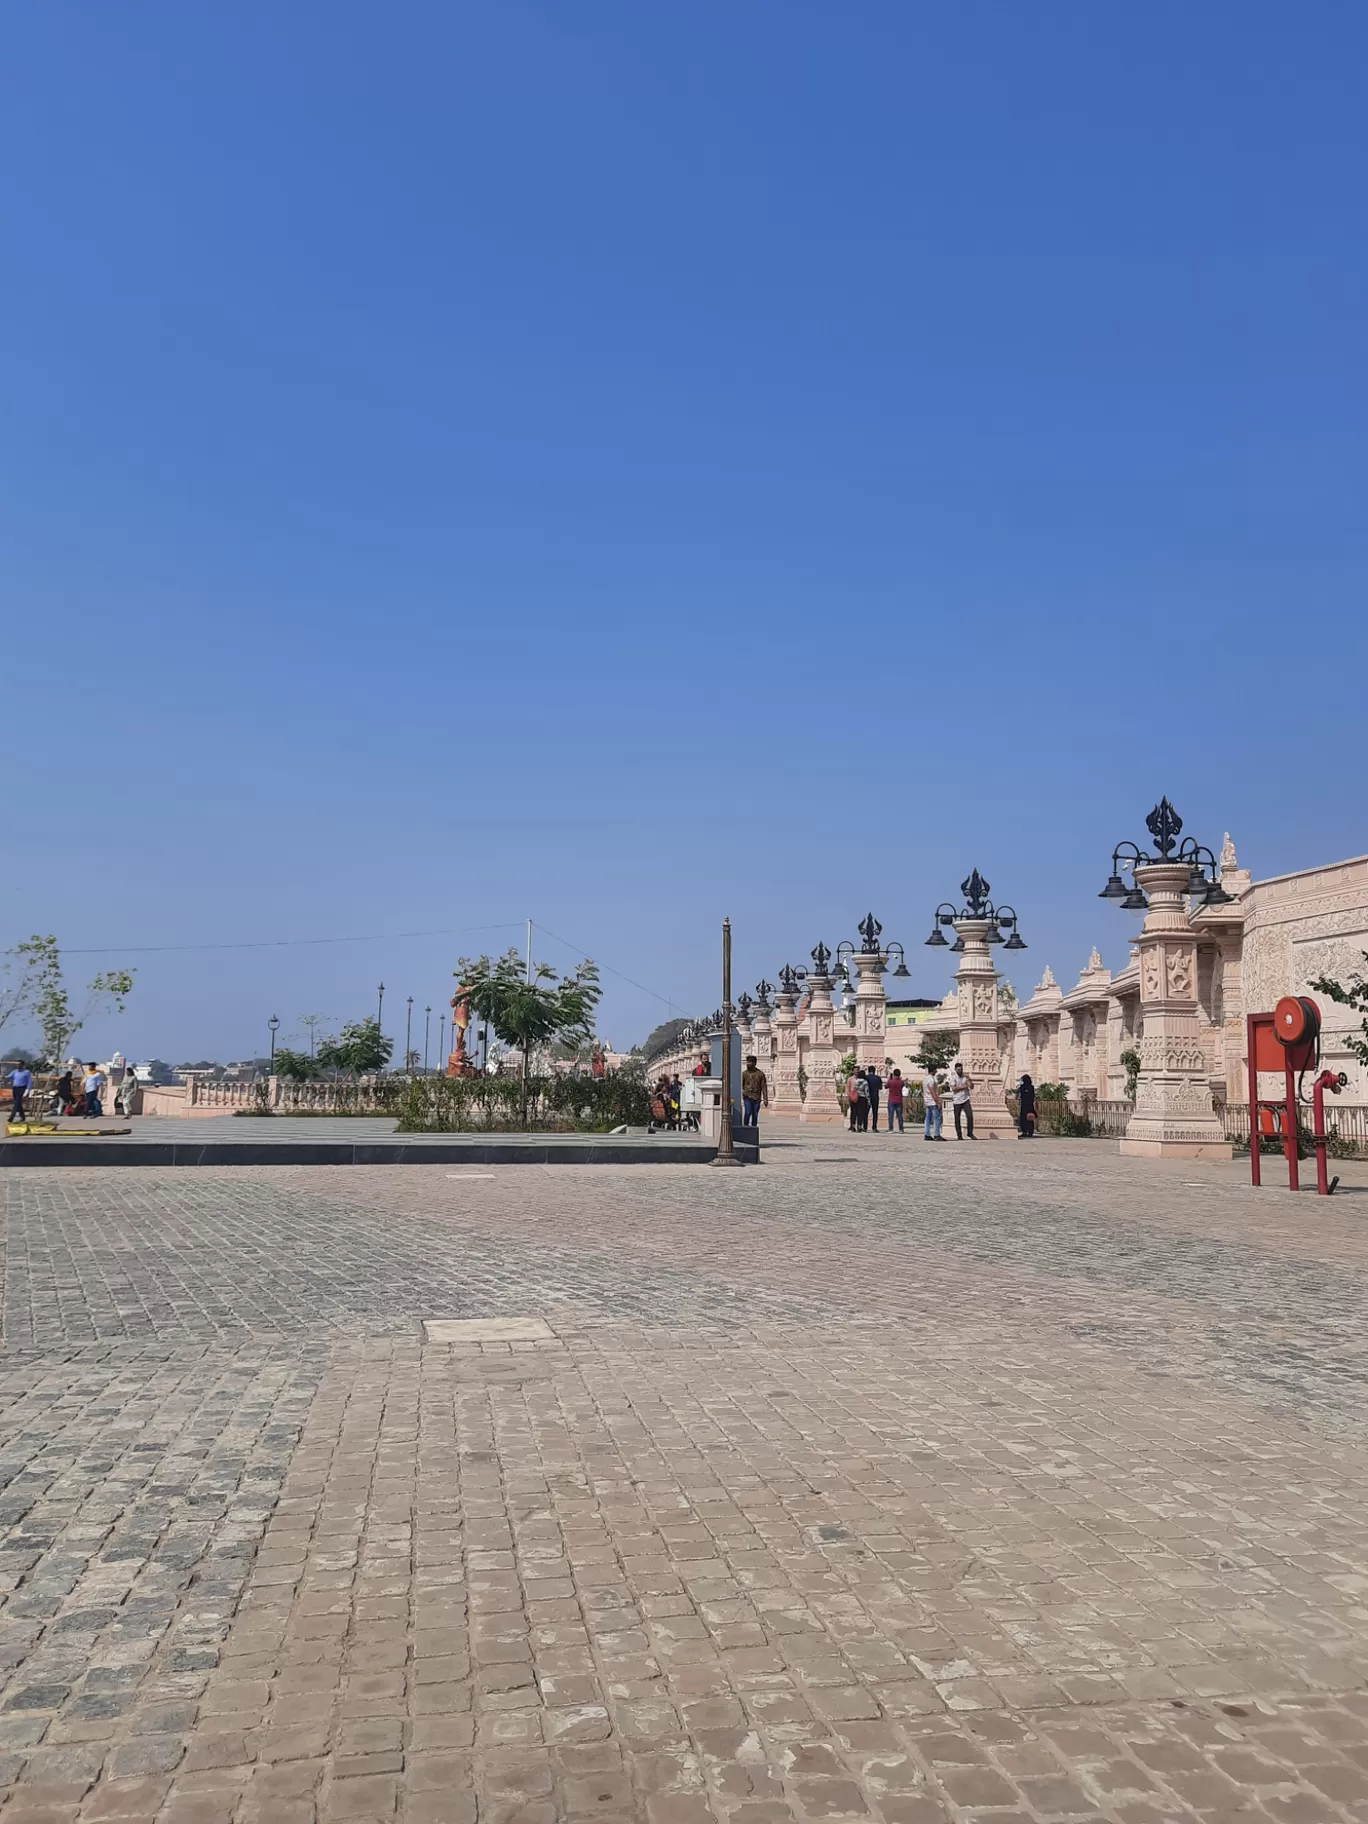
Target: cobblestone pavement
887	1482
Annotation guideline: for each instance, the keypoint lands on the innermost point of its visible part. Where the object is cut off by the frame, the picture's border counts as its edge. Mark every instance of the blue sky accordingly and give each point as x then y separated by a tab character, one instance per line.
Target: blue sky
622	465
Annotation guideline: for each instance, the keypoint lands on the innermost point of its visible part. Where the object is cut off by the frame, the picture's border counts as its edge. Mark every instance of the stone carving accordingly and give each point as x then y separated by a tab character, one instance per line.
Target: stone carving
1180	973
983	1001
1152	976
1227	860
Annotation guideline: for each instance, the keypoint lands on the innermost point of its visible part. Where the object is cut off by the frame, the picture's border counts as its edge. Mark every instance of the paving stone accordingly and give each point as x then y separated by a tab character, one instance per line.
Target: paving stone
1022	1486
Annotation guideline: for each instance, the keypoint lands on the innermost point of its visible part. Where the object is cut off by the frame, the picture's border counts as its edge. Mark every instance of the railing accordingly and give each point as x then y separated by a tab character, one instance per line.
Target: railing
1346	1123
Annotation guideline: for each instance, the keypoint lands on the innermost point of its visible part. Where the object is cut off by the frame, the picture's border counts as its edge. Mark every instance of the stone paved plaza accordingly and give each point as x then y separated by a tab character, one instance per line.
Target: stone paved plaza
886	1480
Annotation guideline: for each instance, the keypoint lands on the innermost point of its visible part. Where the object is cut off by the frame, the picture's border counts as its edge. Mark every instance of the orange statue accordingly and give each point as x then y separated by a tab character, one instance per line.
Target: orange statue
458	1064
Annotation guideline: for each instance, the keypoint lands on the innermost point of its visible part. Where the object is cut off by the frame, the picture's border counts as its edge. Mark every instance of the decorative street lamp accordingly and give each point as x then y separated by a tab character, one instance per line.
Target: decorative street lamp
1165	826
819	1100
379	1005
786	1094
274	1024
427	1033
978	925
408	1037
978	907
1174	1115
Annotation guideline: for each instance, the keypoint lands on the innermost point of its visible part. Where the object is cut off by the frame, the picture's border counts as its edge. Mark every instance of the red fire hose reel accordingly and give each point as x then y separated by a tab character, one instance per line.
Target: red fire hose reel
1286	1042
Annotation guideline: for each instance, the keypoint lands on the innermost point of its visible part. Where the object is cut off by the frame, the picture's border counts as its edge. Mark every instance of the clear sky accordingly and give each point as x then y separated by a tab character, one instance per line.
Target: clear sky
622	464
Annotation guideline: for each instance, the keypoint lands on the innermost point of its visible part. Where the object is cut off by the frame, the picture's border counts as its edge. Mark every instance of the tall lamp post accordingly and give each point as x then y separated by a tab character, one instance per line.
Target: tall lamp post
408	1038
1174	1116
427	1034
725	1154
379	1006
978	924
274	1024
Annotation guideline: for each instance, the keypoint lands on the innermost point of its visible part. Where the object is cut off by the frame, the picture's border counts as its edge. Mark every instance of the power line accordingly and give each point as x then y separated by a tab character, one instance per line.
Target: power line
376	937
580	950
282	943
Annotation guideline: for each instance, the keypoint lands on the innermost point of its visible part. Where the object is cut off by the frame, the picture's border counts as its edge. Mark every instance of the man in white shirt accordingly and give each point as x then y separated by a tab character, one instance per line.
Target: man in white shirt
960	1088
91	1086
931	1102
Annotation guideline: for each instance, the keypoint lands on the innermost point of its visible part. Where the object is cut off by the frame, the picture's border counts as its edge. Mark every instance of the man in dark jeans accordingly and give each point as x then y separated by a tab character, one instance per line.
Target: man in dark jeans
20	1082
875	1082
961	1088
754	1093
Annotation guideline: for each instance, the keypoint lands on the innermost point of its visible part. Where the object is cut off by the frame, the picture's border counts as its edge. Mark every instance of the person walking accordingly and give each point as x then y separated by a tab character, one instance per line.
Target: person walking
1026	1109
754	1093
66	1093
874	1083
127	1093
20	1081
895	1100
931	1102
961	1090
91	1085
862	1104
852	1090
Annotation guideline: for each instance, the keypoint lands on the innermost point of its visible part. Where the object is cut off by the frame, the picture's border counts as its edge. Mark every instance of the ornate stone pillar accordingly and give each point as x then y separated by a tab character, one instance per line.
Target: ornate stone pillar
976	987
762	1034
741	1025
871	1037
786	1098
819	1100
1173	1115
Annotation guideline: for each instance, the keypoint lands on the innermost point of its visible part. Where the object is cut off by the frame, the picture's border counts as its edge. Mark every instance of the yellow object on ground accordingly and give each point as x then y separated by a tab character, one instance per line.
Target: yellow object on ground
37	1130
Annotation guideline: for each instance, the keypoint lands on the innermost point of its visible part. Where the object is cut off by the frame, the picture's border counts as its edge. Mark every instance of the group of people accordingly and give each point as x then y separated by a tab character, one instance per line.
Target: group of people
865	1088
86	1101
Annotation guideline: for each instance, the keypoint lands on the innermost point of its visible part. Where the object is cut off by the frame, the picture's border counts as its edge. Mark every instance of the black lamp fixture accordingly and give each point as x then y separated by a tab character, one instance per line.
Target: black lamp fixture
791	980
1002	920
1165	827
763	991
902	968
821	958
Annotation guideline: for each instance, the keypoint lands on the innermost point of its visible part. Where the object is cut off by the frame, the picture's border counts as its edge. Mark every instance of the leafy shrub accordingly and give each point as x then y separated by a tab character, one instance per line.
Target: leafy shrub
459	1105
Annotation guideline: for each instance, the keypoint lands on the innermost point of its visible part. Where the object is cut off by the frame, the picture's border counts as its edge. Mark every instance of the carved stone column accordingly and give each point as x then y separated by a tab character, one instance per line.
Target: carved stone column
786	1098
1173	1115
871	1037
976	987
762	1033
741	1025
819	1101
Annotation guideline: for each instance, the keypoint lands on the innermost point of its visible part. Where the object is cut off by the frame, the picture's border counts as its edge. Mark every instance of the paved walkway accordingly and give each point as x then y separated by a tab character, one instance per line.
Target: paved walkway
887	1480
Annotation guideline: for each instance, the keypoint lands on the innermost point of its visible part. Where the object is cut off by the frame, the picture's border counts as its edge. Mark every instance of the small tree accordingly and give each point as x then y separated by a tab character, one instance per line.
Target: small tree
939	1050
527	1013
40	960
296	1066
359	1050
1131	1061
1355	996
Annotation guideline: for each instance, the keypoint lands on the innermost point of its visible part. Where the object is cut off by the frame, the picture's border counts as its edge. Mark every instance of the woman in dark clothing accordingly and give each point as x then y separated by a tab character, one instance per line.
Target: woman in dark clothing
1026	1109
66	1094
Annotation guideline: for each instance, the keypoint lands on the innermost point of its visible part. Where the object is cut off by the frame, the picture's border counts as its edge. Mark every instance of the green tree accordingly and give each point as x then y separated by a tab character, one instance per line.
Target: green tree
939	1049
528	1013
296	1066
49	1002
359	1050
1355	996
18	977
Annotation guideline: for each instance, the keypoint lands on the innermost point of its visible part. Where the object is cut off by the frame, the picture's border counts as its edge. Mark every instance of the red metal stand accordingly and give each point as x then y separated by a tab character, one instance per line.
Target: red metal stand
1288	1041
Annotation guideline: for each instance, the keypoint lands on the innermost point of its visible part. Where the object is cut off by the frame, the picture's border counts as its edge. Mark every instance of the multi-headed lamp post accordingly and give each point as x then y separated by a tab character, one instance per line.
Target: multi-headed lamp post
978	924
1174	1114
